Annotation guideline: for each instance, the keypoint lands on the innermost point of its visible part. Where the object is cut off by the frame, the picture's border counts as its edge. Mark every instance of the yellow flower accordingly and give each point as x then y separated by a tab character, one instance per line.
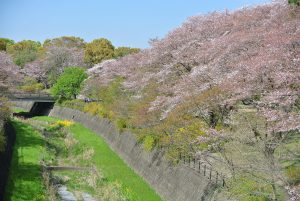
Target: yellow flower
65	123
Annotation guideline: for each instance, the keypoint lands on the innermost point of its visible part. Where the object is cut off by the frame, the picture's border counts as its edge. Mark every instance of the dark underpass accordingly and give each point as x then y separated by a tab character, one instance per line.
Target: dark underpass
37	109
41	108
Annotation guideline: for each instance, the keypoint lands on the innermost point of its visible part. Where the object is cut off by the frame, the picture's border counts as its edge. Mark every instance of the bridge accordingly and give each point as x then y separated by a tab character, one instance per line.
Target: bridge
38	104
36	97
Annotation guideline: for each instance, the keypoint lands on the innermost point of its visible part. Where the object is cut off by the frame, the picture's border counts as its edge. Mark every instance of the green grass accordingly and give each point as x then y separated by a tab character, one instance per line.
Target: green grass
17	110
25	178
111	165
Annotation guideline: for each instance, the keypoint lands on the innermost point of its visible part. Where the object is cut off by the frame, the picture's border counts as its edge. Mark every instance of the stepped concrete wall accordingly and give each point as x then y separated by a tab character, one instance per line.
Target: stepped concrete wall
172	183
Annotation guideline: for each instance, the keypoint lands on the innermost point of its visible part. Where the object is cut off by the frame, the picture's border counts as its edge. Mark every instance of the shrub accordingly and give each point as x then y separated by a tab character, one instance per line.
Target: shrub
93	108
33	88
75	104
149	143
293	174
31	85
297	103
97	109
53	127
2	141
246	188
4	115
294	2
121	124
59	124
109	94
65	123
4	109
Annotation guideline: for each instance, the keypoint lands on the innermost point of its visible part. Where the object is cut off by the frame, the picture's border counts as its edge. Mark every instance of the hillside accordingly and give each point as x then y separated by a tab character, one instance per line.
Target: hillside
252	51
224	87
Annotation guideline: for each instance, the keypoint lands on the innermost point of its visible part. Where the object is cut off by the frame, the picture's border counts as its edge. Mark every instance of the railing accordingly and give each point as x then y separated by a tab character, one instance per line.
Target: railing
203	168
19	95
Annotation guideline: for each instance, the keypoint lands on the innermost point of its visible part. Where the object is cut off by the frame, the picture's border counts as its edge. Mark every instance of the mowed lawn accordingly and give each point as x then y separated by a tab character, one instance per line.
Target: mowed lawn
25	177
110	164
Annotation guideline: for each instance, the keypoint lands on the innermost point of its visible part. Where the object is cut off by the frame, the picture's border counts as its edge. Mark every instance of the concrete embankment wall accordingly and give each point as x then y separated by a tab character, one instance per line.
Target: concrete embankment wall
26	105
6	156
173	183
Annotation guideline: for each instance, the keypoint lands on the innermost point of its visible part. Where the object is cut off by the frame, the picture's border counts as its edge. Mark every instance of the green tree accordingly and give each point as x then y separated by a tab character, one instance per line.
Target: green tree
25	51
123	51
98	50
295	2
65	41
69	84
4	42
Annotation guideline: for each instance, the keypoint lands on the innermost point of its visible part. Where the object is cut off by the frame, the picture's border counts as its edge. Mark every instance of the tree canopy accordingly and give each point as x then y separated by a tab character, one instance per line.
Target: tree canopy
65	41
98	50
295	2
123	51
4	42
25	51
69	83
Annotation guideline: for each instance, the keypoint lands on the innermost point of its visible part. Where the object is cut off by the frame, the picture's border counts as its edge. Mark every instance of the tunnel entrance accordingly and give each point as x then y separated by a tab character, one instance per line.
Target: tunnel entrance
38	109
41	108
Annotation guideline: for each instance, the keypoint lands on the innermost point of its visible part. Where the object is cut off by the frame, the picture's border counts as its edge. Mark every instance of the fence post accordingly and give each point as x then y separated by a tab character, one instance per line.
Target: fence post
194	162
204	169
210	173
189	160
199	166
183	159
217	177
223	182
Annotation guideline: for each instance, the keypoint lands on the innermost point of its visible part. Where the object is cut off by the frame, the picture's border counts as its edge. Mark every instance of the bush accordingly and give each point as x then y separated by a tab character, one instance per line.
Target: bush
2	141
246	188
111	93
297	103
4	115
293	174
294	2
65	123
93	108
4	109
149	143
31	85
97	109
121	124
33	88
74	104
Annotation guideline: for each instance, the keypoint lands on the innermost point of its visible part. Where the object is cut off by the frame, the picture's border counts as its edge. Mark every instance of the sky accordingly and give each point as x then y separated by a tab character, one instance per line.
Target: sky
124	22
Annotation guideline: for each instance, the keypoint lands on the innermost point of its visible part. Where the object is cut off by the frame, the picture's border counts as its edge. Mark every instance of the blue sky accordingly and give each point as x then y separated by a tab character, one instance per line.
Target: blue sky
124	22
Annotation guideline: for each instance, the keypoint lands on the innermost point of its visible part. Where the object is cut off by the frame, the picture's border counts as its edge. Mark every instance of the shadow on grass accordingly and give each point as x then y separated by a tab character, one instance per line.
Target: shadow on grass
25	178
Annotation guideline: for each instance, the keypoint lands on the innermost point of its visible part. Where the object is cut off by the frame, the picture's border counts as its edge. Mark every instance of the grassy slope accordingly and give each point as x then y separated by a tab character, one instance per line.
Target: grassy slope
25	180
111	165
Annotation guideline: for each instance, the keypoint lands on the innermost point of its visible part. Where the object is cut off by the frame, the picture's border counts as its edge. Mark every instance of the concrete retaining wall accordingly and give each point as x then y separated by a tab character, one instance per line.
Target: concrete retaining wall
177	183
26	105
6	156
